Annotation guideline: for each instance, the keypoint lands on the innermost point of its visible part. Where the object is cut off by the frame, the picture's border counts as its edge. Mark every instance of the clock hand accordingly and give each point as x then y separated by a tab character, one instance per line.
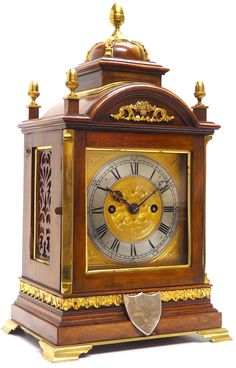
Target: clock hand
160	187
145	199
117	196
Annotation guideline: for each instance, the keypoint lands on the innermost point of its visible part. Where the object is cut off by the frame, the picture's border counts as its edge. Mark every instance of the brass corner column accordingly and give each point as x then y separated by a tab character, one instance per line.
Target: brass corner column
67	212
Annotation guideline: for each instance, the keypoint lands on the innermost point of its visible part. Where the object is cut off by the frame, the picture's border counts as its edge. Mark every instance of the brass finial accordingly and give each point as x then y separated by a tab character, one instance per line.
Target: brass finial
199	93
117	19
33	93
72	83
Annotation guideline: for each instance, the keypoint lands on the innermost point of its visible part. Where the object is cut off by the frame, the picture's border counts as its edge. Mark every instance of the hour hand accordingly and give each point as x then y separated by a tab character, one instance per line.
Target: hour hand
117	196
163	185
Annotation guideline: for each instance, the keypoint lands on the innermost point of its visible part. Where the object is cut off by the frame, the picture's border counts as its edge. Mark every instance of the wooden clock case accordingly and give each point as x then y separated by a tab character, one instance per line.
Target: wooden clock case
59	301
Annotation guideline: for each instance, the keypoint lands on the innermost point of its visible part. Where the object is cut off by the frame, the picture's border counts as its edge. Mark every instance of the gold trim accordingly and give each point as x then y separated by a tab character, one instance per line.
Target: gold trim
142	48
216	334
54	353
199	93
61	353
33	93
105	300
72	83
149	268
10	326
140	268
67	212
117	18
206	279
102	89
207	139
189	206
36	150
142	111
109	47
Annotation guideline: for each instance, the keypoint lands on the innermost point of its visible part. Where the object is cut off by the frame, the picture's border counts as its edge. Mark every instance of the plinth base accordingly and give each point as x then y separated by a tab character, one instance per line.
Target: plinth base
55	353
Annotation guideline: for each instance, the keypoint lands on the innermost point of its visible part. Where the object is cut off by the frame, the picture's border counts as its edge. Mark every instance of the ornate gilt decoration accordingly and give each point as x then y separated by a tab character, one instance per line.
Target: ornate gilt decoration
142	111
117	18
72	83
142	48
109	47
42	204
105	300
199	93
33	93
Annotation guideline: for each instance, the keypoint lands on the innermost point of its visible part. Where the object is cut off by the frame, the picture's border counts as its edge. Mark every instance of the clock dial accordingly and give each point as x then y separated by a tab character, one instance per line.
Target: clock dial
133	209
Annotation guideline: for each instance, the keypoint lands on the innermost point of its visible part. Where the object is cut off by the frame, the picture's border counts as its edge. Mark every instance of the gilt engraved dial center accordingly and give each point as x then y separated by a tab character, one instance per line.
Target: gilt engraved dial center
130	222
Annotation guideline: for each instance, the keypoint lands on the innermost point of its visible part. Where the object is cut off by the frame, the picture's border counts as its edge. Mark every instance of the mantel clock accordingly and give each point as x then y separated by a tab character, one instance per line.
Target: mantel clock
114	208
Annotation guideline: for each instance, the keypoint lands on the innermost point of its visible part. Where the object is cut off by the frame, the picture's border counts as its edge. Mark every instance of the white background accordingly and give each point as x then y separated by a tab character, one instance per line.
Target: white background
41	40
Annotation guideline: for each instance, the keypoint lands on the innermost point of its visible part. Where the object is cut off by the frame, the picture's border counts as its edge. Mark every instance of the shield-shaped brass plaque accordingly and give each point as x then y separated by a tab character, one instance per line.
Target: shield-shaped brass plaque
144	311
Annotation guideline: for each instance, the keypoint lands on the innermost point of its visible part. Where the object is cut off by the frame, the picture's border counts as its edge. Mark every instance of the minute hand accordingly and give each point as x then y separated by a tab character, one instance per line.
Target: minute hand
145	199
158	188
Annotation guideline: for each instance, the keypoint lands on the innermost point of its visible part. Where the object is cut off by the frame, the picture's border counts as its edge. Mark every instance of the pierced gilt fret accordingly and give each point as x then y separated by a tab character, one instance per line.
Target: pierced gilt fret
42	203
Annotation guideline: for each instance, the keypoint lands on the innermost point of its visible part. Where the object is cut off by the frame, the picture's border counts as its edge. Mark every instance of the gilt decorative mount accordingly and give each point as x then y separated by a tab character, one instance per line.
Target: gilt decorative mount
106	300
142	111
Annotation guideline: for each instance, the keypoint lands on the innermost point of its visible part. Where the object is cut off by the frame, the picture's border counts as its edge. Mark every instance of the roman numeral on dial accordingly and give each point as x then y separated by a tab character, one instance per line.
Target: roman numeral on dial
102	230
164	189
115	245
133	251
152	174
168	208
164	228
105	189
134	168
116	173
151	244
97	210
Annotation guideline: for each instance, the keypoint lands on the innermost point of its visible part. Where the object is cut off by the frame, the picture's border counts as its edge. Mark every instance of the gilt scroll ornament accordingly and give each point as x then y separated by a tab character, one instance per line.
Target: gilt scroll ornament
142	111
105	300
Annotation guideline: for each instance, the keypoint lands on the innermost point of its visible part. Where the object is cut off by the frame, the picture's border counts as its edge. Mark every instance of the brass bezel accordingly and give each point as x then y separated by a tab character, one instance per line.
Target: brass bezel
35	168
143	268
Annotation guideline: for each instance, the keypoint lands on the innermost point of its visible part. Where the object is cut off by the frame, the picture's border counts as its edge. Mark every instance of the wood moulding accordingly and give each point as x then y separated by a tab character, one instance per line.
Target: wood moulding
109	323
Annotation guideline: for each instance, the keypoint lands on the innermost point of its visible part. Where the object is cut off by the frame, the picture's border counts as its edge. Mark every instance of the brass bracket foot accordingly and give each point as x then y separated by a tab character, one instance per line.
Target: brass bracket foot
215	334
55	353
10	326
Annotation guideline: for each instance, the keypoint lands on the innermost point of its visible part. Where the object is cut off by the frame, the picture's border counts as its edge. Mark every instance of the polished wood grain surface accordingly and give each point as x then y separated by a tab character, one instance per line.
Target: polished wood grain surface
107	70
84	326
46	274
